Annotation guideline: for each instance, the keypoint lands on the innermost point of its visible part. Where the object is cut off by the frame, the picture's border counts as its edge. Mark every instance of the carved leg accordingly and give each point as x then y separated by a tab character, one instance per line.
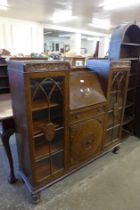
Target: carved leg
5	140
116	149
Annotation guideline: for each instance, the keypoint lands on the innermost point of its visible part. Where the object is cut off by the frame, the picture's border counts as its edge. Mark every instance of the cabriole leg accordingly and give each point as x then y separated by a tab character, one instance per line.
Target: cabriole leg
116	149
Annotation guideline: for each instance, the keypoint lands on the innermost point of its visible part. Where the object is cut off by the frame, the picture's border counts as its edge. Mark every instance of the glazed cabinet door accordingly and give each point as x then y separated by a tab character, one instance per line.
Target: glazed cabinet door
48	109
116	102
86	139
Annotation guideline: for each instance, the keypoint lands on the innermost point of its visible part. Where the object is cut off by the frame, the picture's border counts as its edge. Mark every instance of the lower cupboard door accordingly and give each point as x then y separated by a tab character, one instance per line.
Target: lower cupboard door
86	139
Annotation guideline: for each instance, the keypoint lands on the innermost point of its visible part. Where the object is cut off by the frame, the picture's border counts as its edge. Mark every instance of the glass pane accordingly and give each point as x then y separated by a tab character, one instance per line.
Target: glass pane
116	98
57	162
57	143
41	147
42	169
114	118
116	133
110	119
47	104
108	137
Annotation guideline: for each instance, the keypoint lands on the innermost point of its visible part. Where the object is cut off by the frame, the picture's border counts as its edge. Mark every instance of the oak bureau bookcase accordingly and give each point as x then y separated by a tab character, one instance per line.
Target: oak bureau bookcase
64	117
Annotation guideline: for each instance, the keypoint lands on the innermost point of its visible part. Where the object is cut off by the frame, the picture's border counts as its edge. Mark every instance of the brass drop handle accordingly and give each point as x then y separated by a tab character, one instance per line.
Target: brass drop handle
88	141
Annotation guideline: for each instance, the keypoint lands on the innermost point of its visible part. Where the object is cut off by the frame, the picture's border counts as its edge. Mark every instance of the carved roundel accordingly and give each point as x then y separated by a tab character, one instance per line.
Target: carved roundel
86	139
49	131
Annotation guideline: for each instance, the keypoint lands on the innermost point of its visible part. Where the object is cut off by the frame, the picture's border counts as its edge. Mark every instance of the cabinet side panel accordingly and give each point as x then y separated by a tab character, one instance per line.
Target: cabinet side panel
17	86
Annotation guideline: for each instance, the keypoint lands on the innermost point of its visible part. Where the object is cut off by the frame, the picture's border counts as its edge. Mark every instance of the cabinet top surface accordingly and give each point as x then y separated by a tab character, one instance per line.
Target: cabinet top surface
38	66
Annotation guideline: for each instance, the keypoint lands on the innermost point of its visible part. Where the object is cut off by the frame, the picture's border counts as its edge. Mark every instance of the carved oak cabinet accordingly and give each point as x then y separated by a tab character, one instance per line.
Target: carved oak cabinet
64	118
87	116
114	77
40	106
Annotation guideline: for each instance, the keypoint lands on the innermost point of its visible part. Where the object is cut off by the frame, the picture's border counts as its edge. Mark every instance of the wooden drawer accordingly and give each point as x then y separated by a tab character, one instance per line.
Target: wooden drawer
83	115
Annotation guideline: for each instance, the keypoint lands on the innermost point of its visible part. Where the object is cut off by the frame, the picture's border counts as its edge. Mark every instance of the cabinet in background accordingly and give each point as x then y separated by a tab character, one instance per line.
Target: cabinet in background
75	60
4	81
125	45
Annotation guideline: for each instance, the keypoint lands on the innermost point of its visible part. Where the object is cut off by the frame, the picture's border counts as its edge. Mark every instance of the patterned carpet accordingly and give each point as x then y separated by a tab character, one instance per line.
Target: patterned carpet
110	183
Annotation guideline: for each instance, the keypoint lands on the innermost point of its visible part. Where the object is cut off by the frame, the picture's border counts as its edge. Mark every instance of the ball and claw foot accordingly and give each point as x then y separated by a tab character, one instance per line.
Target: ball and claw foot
12	180
35	198
116	149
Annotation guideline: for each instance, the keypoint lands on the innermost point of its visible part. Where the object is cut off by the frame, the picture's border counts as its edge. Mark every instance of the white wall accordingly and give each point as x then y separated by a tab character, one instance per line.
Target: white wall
103	46
75	43
90	45
19	36
61	40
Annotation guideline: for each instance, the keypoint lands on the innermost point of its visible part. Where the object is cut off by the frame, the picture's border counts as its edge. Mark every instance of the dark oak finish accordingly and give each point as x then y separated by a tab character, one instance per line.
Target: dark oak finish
114	79
40	104
87	116
4	81
27	58
125	44
63	116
